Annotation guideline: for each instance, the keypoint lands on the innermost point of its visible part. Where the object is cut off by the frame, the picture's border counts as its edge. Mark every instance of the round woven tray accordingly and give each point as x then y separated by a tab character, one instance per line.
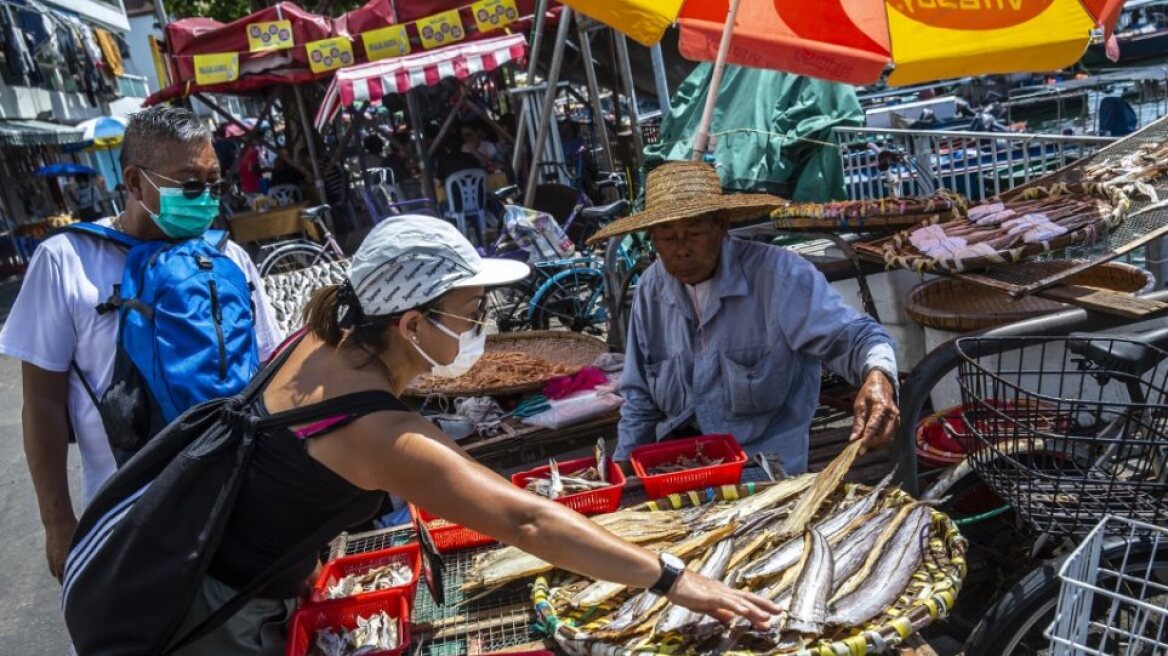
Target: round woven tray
573	350
961	307
929	596
1111	207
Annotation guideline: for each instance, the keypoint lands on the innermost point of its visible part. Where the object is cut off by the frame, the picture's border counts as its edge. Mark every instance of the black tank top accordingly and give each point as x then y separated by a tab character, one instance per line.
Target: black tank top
285	496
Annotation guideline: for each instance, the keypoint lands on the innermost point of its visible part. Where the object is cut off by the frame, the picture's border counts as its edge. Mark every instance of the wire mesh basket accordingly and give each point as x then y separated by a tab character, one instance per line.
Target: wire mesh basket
1114	596
1068	430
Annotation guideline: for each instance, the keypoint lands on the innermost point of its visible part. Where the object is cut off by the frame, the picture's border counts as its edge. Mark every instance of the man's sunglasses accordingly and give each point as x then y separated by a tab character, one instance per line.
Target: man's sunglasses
192	189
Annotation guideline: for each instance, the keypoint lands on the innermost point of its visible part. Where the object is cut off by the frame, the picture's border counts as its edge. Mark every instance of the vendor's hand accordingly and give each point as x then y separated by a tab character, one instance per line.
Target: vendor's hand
877	416
704	595
58	537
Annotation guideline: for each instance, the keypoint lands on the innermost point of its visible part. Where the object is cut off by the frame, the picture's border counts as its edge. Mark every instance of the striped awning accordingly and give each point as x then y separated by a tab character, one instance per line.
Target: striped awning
372	82
38	133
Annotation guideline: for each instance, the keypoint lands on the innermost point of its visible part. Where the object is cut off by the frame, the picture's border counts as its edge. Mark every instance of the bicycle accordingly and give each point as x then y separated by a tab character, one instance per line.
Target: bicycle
569	292
295	254
1061	464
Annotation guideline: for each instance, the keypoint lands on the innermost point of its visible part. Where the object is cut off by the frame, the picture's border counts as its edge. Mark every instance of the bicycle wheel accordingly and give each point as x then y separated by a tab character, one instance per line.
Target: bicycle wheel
572	299
508	306
1017	622
293	257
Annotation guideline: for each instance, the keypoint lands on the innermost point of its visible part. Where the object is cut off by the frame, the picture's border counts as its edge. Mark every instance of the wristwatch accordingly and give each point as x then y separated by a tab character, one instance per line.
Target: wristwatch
671	569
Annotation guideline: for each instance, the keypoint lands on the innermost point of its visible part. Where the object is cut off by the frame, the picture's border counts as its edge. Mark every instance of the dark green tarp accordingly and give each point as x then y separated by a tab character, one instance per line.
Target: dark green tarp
773	131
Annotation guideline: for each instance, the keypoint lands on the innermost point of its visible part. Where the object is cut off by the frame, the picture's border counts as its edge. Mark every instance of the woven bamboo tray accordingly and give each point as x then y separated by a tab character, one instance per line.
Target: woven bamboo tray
929	596
961	307
1112	204
573	350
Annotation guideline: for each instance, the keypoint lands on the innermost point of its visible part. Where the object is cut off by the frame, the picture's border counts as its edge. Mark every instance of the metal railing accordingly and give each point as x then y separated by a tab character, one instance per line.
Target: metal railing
976	164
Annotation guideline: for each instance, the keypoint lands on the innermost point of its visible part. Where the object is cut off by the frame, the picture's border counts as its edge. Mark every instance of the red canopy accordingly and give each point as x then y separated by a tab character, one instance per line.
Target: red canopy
203	36
372	82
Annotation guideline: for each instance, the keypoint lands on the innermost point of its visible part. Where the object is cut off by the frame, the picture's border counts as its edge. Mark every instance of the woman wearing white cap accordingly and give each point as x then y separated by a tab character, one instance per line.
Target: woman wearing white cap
414	303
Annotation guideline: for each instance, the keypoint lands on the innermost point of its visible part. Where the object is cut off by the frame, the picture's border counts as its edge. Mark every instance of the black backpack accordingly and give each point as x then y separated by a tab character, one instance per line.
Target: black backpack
143	545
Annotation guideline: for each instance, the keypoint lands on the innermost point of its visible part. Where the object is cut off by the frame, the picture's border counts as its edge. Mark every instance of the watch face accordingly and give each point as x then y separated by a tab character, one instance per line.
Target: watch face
672	561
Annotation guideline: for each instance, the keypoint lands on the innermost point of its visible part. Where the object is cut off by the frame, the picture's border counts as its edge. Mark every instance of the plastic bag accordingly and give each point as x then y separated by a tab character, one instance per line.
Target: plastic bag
538	234
575	410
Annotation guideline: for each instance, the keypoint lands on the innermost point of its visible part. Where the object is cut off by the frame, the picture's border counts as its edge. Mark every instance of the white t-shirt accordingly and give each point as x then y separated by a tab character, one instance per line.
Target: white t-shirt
699	295
54	322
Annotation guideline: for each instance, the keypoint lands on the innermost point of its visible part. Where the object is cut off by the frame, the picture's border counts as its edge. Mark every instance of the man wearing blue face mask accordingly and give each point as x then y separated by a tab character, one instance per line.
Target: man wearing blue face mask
68	347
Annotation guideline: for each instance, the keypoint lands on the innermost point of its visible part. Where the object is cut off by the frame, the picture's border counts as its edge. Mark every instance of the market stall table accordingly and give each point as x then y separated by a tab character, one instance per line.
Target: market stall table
250	227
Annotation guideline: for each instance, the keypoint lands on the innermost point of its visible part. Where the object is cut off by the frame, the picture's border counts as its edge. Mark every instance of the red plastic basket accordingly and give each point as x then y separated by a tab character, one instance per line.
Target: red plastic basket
359	564
450	536
310	619
593	502
726	447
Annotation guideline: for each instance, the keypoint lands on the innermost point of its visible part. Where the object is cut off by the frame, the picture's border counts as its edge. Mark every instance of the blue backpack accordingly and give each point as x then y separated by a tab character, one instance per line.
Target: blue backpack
186	334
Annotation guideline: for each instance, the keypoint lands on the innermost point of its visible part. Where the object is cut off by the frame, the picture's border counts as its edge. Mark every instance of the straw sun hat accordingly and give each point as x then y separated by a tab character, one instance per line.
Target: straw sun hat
676	191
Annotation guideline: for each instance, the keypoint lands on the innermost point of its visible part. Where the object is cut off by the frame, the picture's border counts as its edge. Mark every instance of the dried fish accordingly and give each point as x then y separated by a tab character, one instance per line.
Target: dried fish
601	460
501	566
372	634
752	505
826	482
684	462
834	527
898	560
808	609
386	576
678	618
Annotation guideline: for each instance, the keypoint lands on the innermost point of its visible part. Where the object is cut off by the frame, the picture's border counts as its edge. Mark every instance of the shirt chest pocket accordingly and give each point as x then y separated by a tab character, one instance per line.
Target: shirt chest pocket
666	381
754	384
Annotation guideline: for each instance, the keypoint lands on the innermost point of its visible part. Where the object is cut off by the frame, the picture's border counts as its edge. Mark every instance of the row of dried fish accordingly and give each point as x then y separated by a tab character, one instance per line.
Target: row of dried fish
1135	170
1001	226
864	209
833	557
376	633
390	575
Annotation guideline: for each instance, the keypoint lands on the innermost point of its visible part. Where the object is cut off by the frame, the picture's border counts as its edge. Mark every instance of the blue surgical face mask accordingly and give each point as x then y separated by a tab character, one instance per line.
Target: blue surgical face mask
181	217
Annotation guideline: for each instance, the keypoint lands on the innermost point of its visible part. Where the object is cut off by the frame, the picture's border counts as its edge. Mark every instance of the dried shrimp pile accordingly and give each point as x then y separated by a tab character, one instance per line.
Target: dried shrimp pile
497	369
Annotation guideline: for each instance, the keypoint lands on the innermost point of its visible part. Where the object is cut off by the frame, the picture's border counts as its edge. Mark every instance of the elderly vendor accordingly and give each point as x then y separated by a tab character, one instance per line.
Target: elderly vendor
729	336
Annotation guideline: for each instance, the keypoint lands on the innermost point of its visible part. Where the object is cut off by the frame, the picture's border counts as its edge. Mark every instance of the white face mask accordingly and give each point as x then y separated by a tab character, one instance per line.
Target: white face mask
471	346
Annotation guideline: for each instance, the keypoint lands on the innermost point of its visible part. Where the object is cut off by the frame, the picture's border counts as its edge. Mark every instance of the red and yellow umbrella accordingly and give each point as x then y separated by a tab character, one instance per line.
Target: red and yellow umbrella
854	41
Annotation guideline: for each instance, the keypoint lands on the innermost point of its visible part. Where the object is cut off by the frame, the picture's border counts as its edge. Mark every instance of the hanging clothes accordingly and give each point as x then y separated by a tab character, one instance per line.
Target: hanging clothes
19	59
109	52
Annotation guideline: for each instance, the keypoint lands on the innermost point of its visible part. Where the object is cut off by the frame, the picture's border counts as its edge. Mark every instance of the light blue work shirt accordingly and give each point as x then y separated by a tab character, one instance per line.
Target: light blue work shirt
751	366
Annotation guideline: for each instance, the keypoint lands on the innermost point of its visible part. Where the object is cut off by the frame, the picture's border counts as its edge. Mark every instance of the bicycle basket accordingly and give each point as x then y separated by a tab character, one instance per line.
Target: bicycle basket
1059	436
1114	596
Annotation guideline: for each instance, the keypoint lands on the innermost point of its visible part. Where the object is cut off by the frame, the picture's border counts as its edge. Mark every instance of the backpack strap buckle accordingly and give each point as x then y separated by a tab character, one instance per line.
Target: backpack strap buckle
112	303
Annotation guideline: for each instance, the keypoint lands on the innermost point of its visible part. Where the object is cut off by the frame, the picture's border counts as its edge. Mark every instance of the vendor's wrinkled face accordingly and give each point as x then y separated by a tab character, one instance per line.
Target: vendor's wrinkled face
689	249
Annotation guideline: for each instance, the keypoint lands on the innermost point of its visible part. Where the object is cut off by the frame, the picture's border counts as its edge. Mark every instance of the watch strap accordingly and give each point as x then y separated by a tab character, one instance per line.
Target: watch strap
670	573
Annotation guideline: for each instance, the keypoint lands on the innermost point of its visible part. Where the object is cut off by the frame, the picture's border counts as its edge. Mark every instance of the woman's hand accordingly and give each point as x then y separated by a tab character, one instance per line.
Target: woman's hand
705	595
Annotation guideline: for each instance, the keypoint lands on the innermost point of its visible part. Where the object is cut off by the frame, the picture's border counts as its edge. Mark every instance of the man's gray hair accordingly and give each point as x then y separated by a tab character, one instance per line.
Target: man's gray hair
151	130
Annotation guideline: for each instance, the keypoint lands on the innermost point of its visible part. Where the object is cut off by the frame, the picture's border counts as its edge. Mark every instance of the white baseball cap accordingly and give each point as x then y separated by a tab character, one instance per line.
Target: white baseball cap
409	260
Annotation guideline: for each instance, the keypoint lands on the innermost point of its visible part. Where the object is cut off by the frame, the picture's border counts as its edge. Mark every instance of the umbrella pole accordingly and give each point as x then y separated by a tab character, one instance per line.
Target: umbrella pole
549	104
114	194
702	140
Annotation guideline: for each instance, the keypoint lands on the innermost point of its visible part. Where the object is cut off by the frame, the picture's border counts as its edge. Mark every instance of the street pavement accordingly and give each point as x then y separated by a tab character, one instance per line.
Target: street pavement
30	608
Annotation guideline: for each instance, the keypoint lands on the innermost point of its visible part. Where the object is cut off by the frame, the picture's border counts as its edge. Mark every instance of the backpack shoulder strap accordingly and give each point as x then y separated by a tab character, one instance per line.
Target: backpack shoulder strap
217	238
103	232
348	406
260	380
